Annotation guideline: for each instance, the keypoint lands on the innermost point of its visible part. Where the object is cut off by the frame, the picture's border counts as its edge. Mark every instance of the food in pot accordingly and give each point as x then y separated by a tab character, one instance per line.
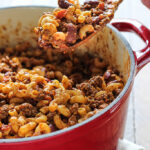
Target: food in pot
71	22
42	91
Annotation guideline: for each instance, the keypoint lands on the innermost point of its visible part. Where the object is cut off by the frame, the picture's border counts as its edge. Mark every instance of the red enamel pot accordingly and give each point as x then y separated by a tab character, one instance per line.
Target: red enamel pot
103	130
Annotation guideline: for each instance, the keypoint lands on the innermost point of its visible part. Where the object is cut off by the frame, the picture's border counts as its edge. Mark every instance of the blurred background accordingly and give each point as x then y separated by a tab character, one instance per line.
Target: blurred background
138	121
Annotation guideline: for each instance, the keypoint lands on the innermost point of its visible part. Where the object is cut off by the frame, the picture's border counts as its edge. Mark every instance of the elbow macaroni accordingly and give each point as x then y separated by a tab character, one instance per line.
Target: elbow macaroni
26	129
39	98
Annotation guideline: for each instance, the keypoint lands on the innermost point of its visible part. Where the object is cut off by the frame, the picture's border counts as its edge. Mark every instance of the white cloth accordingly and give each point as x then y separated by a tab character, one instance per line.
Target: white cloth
126	145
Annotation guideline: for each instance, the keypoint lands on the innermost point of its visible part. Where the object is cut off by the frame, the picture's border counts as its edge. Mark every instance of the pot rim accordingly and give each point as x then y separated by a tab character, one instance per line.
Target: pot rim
99	114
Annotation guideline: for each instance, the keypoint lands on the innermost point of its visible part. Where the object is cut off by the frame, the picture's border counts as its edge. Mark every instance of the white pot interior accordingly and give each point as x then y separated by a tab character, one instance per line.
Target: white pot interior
17	25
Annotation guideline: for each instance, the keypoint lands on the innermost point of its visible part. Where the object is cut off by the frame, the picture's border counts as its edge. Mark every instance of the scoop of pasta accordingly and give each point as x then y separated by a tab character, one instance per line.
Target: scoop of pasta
73	24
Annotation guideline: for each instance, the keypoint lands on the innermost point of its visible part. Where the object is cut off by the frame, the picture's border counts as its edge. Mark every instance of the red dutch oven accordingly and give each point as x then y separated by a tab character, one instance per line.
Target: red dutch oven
103	130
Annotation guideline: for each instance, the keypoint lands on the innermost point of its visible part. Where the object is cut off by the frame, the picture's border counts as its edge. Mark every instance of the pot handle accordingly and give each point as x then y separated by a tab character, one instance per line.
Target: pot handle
131	25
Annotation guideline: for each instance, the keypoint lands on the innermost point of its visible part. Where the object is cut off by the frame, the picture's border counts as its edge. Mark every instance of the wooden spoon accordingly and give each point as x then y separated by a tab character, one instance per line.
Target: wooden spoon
105	7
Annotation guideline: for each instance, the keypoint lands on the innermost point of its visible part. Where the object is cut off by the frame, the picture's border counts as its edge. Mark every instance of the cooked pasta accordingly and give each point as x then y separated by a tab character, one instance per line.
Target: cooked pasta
73	22
42	94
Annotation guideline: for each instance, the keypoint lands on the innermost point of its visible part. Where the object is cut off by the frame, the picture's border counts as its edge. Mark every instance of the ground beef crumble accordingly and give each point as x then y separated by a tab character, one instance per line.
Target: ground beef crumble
52	89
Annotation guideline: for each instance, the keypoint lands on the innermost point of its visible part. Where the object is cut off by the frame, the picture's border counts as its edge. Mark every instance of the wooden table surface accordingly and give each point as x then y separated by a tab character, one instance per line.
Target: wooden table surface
138	121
